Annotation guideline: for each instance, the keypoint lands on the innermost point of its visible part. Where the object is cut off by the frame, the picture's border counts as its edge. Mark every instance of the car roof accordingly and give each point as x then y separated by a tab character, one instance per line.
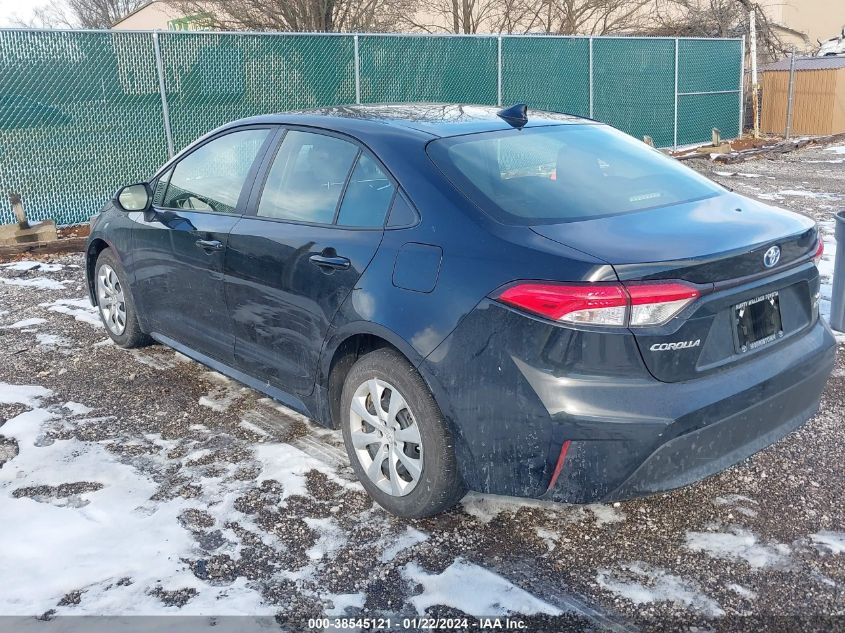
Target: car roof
426	119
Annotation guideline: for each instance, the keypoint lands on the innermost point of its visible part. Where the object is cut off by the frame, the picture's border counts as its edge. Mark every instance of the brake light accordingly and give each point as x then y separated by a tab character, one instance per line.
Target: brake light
604	304
819	251
596	304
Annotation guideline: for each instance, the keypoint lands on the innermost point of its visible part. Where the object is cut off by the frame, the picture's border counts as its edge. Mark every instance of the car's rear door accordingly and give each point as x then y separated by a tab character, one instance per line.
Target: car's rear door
316	219
180	245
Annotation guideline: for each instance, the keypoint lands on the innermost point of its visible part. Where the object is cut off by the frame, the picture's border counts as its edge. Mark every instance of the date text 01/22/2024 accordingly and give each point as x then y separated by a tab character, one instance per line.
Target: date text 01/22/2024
495	623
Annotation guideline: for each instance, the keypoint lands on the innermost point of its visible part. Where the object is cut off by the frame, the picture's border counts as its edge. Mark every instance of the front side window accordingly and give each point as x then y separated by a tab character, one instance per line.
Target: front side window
564	173
211	177
307	178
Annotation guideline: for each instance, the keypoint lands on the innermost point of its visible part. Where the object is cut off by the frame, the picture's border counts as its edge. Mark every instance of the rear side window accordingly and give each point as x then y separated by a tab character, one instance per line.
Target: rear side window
211	177
368	195
307	178
564	173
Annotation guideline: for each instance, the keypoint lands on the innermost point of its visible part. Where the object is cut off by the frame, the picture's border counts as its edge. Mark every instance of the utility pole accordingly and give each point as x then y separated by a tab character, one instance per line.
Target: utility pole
752	27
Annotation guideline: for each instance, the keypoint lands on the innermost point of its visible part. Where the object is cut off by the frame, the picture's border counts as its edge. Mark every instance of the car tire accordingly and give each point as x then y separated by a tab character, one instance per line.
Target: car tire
115	304
397	485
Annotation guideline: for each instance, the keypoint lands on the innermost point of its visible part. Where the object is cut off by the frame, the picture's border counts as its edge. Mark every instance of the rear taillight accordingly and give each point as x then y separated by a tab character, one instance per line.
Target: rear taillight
598	304
819	251
655	304
603	304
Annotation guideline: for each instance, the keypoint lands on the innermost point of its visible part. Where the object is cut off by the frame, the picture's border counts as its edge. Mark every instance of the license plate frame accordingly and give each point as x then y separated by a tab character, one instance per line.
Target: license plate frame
757	322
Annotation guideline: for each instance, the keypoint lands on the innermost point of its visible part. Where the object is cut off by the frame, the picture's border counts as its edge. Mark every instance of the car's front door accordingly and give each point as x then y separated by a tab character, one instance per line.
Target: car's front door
313	227
180	245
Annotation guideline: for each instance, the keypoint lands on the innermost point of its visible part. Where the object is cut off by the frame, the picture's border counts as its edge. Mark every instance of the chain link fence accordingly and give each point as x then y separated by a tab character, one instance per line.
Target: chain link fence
82	112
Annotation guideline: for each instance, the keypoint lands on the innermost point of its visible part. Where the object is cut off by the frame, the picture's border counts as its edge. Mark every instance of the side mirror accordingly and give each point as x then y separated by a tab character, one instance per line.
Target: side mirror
137	197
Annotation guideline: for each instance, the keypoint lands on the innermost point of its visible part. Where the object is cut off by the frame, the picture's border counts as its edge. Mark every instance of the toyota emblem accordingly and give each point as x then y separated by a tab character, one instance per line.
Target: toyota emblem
771	257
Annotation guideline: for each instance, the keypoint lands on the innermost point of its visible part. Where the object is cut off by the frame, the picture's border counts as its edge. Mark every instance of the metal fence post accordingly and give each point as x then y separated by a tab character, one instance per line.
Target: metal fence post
591	78
357	72
742	89
165	108
675	124
790	98
837	295
499	74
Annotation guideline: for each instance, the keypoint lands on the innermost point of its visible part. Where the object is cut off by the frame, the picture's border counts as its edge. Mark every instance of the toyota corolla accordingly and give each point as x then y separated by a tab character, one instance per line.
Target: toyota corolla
528	304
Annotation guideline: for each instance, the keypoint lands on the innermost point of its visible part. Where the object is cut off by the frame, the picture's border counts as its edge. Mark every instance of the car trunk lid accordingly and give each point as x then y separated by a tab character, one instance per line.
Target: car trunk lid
705	241
746	306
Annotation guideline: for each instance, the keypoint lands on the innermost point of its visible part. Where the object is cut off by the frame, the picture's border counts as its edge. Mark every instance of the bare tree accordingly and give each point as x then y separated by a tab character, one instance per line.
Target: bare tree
559	17
455	16
716	18
589	17
84	14
299	15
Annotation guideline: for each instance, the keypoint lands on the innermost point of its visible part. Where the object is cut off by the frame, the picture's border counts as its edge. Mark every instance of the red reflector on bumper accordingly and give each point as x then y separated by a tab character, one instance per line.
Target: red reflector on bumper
559	466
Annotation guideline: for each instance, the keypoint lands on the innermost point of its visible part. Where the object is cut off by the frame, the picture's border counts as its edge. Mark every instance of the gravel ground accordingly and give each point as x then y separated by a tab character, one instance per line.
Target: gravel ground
167	488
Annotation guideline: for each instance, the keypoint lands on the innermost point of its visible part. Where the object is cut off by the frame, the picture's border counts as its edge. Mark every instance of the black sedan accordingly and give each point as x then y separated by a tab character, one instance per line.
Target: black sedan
517	303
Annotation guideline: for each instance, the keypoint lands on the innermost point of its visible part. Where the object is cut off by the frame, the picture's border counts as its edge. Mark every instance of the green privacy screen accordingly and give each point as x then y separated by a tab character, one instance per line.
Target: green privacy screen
547	73
420	68
79	114
634	86
83	112
212	79
709	76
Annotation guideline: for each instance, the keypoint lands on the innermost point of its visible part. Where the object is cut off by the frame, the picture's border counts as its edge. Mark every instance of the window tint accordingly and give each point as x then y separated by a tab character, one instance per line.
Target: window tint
564	173
368	195
211	177
307	178
401	213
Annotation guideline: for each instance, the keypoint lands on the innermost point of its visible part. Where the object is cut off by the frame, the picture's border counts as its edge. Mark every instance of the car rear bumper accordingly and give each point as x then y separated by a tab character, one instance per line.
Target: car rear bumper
628	434
713	436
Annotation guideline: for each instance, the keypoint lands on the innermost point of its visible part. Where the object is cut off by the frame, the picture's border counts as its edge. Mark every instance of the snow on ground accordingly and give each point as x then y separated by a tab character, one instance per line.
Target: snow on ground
28	265
741	591
53	340
739	174
833	542
24	323
641	583
79	309
225	392
737	503
157	360
486	508
739	544
804	193
41	283
407	539
28	395
838	149
74	504
473	590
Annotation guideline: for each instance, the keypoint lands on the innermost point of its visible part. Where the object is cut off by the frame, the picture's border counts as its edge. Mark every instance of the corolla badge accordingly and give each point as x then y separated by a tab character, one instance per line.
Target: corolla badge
771	257
664	347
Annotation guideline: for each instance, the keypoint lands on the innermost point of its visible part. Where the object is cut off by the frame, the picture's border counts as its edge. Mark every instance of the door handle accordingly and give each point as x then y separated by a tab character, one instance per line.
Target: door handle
336	262
209	245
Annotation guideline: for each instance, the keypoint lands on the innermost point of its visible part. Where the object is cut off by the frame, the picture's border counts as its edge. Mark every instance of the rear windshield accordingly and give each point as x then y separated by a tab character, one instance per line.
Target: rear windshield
564	173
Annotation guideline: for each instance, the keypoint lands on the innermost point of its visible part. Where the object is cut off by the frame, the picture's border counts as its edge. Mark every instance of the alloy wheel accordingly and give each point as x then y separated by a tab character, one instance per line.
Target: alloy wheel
111	300
386	437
